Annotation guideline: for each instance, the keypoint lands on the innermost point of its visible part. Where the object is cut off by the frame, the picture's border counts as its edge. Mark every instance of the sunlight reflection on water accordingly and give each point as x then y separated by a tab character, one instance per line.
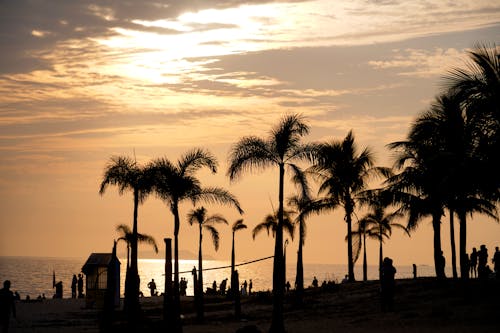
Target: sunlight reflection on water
33	275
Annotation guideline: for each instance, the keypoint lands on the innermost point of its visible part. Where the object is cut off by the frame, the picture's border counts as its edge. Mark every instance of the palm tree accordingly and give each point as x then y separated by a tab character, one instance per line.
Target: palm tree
281	148
199	216
126	236
343	173
477	89
238	225
303	205
378	225
270	225
125	173
175	183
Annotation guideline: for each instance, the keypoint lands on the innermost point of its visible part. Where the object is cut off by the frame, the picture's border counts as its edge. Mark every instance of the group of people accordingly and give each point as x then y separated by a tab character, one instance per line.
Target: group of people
478	263
77	284
183	284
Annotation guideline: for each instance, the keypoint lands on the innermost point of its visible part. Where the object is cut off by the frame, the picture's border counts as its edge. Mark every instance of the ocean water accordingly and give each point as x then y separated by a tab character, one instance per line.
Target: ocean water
33	275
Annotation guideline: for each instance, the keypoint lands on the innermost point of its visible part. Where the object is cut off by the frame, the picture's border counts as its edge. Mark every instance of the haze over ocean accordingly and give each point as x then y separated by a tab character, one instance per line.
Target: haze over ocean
33	275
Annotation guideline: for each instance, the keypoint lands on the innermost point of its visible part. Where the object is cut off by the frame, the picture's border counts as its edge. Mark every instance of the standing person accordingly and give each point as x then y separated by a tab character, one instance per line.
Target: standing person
74	282
442	264
250	286
152	287
80	285
473	263
387	284
245	285
482	260
496	262
7	305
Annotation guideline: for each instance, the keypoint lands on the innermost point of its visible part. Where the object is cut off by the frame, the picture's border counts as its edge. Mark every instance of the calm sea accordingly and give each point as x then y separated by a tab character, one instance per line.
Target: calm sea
33	275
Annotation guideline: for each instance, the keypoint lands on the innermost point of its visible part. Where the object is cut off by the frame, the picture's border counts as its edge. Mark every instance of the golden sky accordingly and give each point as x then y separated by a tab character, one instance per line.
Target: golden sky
81	81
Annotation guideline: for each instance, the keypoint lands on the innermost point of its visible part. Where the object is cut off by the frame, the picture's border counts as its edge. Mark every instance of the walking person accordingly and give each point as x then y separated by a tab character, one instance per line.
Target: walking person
152	287
473	263
7	306
387	284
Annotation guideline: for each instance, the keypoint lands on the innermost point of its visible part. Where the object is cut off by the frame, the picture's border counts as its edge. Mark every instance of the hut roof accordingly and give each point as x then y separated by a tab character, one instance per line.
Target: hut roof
97	260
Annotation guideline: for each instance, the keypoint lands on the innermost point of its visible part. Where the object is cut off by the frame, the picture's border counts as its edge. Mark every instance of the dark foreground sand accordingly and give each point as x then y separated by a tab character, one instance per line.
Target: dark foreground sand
422	305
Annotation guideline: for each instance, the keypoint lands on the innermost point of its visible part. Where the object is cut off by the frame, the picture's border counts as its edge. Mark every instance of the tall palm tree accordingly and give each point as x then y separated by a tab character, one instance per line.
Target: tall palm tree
200	217
344	172
378	225
303	205
445	169
238	225
419	189
175	183
281	148
126	236
125	173
477	89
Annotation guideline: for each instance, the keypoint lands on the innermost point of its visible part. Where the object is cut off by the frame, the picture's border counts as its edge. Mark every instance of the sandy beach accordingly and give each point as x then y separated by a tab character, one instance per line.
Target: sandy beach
422	305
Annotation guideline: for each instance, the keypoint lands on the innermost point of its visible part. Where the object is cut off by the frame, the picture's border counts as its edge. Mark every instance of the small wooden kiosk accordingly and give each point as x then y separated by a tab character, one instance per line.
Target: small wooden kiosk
97	269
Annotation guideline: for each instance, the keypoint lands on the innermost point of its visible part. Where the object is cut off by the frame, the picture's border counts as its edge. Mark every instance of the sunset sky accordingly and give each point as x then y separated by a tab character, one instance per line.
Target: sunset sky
81	81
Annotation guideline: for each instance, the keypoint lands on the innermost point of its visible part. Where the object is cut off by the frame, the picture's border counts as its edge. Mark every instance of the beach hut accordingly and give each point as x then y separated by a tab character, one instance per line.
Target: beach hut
102	270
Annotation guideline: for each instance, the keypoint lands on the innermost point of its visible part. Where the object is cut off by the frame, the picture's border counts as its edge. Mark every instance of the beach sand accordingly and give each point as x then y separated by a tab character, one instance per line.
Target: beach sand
422	305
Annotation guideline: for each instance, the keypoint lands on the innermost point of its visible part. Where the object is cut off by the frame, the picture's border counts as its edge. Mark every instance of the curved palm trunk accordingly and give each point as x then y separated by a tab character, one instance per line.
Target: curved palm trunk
452	243
277	322
131	304
199	294
299	279
177	298
436	225
365	268
464	268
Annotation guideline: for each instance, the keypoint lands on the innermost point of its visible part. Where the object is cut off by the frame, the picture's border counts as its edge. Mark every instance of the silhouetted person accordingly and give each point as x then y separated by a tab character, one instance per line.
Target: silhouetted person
74	282
315	283
250	286
482	260
245	285
214	287
80	285
441	265
7	306
152	287
414	271
59	290
222	287
473	263
345	279
288	286
387	284
496	262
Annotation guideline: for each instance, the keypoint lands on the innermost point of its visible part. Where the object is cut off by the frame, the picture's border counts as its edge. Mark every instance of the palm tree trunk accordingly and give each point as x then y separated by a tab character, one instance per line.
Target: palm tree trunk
350	263
232	265
452	241
464	267
436	225
299	279
365	268
132	278
177	298
277	321
380	255
200	280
